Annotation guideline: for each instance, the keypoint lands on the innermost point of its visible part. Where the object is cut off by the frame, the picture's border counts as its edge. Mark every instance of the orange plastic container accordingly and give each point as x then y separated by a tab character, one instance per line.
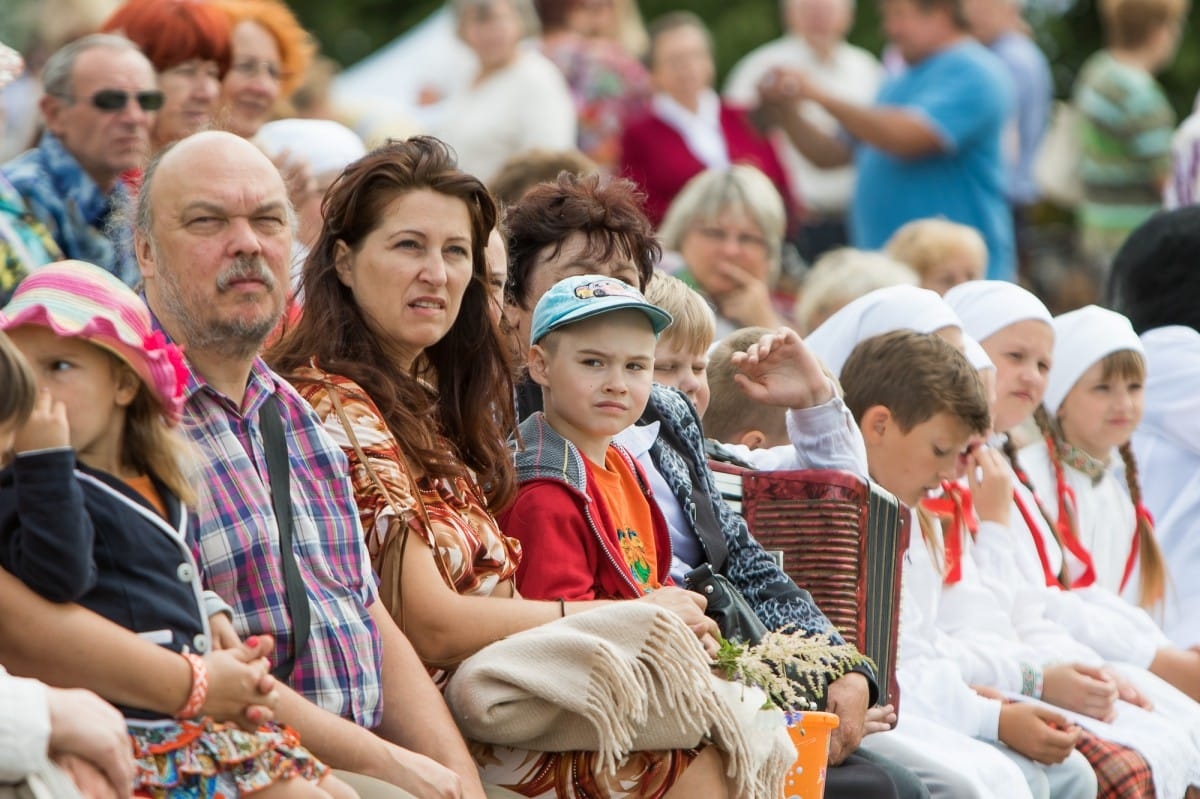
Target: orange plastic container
810	733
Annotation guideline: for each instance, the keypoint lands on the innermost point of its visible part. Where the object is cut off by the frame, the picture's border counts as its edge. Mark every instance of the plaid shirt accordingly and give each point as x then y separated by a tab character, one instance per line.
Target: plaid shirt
73	208
239	541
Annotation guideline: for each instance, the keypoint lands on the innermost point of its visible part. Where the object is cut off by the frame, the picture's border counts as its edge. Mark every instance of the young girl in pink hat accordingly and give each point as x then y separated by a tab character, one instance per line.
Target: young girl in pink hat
93	510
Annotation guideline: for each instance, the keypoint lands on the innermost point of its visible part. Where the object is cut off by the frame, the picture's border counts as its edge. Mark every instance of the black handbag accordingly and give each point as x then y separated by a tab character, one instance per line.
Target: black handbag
726	606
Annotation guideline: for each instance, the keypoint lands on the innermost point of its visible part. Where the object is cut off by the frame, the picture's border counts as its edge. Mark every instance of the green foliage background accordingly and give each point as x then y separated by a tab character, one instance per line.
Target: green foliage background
351	29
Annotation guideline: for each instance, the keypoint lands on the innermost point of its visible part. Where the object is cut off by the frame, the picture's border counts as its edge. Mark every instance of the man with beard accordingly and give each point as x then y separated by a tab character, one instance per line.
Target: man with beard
213	239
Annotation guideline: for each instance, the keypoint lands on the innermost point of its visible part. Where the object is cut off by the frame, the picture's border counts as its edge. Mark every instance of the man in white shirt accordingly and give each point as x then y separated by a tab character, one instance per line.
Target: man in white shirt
815	42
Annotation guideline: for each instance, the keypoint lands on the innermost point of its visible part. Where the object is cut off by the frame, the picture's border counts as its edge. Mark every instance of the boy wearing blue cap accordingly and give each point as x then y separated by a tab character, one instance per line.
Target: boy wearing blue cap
587	523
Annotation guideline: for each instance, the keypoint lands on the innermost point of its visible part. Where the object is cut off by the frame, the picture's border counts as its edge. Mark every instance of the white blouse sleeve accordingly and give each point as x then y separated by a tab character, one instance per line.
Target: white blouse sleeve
24	728
824	436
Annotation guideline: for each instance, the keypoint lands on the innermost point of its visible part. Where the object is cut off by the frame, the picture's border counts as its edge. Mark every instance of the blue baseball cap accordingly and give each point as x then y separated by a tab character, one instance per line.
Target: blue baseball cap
581	297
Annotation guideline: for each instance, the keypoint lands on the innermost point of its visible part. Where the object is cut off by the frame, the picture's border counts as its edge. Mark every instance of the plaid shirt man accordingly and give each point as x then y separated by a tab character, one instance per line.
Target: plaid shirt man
239	541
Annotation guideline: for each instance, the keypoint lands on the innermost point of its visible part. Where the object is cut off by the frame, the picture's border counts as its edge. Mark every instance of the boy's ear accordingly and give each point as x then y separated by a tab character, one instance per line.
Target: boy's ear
875	422
754	439
538	368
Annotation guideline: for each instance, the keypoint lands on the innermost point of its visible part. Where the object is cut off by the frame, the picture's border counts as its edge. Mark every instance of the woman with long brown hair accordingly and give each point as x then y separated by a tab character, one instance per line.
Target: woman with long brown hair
397	352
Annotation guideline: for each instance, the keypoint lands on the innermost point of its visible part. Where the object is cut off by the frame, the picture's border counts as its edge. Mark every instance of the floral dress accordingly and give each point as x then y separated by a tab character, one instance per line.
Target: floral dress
475	558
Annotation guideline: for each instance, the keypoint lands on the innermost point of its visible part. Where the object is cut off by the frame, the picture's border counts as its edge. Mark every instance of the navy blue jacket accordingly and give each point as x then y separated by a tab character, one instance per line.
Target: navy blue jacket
74	534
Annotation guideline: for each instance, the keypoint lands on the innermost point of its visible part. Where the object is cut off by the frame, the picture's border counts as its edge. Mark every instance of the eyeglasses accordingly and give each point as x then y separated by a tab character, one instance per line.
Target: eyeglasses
110	100
251	67
719	235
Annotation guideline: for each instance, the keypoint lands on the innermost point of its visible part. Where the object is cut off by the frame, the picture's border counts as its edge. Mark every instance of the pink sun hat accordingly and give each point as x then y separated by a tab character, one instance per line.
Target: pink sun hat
78	300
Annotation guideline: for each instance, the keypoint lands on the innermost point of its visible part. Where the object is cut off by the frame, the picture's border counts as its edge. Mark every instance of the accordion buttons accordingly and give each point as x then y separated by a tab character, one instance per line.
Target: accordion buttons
708	589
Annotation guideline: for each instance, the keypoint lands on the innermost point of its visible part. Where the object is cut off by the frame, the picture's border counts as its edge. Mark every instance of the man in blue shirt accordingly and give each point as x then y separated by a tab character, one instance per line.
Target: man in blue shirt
99	100
931	143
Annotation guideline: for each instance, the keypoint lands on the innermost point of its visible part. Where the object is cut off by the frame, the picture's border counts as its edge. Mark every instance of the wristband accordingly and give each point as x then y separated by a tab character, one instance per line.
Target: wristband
199	693
1032	681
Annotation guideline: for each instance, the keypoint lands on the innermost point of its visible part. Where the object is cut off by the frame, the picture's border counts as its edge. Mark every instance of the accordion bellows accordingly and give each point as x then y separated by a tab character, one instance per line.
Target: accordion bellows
839	538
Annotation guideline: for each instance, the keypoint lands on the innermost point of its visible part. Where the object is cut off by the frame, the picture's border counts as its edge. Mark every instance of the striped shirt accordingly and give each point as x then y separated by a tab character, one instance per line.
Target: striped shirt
1126	145
239	541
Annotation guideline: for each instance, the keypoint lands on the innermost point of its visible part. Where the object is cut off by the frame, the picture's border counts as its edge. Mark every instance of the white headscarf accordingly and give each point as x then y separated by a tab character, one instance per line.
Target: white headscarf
881	311
987	306
1081	338
327	146
976	354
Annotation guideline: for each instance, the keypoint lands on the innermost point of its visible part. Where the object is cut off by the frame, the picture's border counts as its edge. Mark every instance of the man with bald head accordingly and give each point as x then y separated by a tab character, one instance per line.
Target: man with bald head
213	241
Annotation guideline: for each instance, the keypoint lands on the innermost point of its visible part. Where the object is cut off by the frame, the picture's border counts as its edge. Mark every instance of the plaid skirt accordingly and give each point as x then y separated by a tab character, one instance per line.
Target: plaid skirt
1120	771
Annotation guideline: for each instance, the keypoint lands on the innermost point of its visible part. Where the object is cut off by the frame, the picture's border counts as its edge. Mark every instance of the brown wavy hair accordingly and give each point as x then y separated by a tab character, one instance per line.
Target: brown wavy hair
1152	572
471	406
609	213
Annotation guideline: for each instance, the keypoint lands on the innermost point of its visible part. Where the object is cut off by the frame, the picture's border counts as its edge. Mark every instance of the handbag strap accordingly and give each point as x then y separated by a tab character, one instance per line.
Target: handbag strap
278	472
335	399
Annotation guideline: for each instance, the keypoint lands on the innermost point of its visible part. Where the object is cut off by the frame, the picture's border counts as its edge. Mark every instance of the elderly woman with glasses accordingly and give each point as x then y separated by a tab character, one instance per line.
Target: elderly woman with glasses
187	41
271	53
723	235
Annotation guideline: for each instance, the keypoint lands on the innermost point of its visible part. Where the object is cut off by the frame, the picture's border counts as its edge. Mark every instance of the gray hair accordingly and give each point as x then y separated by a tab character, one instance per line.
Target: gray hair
843	275
525	11
56	75
736	188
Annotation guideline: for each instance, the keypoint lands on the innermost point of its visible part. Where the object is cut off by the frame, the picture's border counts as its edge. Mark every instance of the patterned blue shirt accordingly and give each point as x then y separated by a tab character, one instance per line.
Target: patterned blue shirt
73	208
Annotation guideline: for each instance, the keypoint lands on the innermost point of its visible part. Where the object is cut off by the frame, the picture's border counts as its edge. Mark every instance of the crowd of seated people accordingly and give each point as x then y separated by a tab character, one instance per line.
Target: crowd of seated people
302	433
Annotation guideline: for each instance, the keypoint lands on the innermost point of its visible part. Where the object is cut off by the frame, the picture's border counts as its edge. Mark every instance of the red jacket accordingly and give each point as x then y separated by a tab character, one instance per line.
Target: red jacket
654	156
568	540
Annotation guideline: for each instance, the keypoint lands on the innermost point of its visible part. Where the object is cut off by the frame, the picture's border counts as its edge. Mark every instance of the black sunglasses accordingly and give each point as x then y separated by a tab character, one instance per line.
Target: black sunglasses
117	99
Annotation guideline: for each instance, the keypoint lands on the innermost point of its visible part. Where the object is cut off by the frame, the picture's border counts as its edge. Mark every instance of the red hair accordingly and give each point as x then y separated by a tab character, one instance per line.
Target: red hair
171	32
296	47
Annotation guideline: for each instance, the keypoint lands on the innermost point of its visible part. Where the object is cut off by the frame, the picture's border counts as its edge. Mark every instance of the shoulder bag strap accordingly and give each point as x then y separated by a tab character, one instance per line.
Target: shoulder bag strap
278	472
335	399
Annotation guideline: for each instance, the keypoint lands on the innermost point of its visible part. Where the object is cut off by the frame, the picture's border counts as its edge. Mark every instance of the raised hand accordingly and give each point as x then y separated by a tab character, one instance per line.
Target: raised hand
991	484
781	370
47	427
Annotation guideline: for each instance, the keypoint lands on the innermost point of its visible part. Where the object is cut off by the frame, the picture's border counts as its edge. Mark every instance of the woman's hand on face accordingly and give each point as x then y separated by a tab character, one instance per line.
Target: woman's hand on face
46	428
240	686
748	302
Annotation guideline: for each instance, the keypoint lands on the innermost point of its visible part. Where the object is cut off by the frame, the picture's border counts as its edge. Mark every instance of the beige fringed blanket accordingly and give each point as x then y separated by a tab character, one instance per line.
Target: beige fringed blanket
622	678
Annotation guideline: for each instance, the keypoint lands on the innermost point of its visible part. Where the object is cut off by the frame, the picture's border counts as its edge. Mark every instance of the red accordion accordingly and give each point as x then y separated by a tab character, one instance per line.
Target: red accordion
840	539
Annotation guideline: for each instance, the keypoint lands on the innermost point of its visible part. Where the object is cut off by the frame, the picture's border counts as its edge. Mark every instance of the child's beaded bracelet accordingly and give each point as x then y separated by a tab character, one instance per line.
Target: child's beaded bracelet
199	693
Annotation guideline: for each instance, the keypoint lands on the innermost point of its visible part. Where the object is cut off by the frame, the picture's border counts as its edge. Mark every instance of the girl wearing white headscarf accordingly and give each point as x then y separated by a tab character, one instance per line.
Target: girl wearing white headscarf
1092	405
1020	562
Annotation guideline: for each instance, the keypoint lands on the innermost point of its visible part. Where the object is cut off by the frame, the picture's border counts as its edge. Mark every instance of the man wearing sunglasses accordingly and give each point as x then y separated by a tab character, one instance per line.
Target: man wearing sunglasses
100	95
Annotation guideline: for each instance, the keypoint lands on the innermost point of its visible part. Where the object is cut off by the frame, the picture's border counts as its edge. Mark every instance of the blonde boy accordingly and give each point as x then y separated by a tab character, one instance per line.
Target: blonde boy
681	357
732	417
943	253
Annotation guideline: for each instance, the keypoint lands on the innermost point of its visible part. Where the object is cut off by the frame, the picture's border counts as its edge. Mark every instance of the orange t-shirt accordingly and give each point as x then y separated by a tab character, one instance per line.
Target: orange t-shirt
145	486
630	512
